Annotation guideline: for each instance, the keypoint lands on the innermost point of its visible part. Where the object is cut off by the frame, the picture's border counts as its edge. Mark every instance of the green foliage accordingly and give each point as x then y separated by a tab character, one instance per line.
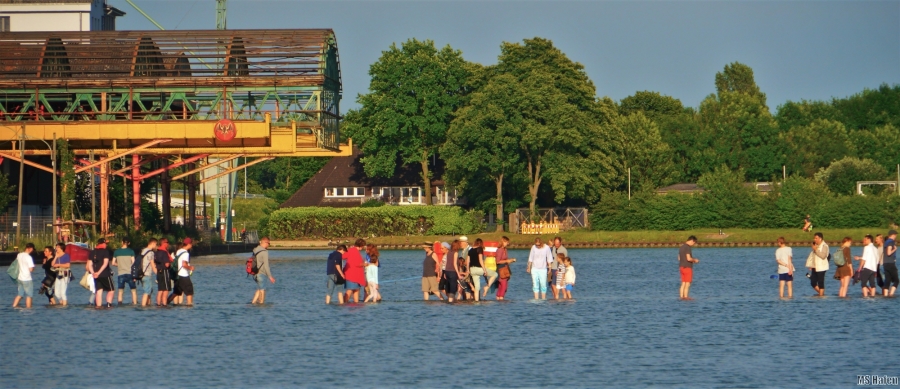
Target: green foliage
881	144
815	145
728	203
738	78
279	178
643	150
372	203
841	176
316	222
870	108
7	194
414	91
65	160
652	104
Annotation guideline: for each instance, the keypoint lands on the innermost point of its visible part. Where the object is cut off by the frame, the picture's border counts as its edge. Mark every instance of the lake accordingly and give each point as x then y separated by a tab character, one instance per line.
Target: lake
626	328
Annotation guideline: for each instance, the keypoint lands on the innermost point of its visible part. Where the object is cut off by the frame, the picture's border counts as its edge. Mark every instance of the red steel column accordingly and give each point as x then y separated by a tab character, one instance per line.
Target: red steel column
136	187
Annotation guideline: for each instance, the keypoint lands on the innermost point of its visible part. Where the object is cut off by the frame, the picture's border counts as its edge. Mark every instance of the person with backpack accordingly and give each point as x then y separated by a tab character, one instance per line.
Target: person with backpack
183	285
123	260
148	272
63	264
843	261
21	269
161	264
261	263
100	266
334	274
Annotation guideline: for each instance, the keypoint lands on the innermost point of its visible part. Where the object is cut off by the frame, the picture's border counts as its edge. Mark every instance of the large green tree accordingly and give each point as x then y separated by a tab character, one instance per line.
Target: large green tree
483	140
742	131
644	152
562	136
413	93
816	145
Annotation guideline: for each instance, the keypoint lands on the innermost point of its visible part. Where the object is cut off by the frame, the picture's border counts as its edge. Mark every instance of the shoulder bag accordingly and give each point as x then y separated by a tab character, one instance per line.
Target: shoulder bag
85	281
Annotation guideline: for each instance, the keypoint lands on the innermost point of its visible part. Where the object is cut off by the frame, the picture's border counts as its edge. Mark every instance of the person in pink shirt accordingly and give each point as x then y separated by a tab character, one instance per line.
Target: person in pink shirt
354	270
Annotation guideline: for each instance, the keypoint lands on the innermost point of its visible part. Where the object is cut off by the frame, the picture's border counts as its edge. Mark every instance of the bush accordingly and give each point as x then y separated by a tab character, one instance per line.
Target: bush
726	205
841	176
322	222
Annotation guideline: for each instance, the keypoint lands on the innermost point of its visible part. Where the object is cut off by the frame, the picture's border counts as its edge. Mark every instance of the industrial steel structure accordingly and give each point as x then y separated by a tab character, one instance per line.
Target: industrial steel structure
175	96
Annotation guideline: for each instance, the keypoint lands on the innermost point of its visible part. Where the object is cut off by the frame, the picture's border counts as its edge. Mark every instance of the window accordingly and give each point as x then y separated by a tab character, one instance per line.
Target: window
4	24
345	192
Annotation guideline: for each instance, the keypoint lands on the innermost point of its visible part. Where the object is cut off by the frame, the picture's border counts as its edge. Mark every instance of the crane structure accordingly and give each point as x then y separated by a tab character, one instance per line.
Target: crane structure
190	99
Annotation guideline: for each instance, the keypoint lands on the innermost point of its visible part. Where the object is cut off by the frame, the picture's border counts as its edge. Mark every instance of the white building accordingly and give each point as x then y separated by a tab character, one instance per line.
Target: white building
57	15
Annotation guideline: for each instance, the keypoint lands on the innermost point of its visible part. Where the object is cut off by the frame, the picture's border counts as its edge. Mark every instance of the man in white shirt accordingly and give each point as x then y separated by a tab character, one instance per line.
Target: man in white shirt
23	281
539	260
184	287
868	266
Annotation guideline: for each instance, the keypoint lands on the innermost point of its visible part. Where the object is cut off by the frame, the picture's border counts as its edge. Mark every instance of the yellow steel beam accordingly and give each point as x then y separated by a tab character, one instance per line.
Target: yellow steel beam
122	154
15	157
207	166
234	169
123	130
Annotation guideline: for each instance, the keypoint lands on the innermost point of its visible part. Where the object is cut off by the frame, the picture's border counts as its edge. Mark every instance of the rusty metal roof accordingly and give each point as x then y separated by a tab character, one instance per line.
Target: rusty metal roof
168	58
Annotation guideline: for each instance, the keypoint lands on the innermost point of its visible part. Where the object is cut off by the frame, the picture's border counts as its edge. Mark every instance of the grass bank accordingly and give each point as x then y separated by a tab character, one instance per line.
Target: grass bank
641	237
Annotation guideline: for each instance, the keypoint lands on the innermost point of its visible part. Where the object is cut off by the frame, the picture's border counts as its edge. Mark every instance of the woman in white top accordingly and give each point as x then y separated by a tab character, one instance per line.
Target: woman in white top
539	261
784	255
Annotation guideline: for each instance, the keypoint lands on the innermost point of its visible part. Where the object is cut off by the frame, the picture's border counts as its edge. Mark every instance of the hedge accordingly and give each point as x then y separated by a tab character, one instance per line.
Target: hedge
784	207
325	223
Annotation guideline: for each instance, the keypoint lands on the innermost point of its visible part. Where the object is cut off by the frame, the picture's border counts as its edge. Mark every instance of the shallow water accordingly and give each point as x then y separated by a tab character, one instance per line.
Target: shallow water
626	329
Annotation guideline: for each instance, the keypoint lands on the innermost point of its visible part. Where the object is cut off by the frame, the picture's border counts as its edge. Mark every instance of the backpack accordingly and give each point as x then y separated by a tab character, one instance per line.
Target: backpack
252	267
172	271
13	270
140	275
839	259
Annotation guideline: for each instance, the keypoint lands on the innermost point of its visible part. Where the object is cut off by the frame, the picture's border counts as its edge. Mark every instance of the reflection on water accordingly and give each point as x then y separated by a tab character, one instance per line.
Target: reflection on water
626	329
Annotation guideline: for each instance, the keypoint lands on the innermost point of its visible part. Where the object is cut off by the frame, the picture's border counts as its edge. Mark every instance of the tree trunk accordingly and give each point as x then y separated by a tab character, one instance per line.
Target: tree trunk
426	177
534	175
500	215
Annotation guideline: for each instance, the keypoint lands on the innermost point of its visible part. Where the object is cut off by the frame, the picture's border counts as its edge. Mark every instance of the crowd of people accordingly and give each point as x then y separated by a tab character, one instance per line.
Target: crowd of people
156	268
877	266
451	271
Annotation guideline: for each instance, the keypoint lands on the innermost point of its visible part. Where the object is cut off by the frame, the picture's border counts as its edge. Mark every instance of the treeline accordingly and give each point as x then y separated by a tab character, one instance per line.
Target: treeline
728	202
532	130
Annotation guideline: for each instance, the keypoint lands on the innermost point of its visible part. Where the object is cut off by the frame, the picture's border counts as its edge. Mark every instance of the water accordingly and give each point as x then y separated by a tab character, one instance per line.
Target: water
626	329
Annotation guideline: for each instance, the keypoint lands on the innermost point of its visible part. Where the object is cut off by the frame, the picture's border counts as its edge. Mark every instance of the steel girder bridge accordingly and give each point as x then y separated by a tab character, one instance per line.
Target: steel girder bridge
189	99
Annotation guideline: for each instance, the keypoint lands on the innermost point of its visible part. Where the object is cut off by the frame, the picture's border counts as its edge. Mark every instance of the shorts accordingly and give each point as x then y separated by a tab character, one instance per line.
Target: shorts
104	283
126	279
331	283
185	285
867	276
260	281
551	277
430	285
26	288
817	279
569	287
163	283
785	277
687	274
147	284
350	285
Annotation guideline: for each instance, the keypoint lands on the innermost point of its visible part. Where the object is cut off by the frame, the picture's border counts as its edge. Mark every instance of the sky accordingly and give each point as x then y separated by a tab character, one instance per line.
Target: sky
812	50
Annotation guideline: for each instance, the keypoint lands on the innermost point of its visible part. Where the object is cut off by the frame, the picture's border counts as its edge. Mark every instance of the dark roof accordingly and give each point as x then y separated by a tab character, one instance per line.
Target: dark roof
343	172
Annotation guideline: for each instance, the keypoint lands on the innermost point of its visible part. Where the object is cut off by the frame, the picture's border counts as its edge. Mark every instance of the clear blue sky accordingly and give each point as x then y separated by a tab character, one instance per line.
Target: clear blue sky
810	50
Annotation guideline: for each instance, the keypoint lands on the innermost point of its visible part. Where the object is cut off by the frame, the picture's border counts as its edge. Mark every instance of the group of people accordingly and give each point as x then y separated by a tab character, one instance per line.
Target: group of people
155	267
877	266
452	271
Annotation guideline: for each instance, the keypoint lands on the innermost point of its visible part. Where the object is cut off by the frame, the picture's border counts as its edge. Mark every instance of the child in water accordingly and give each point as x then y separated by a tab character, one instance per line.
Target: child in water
570	278
372	280
560	284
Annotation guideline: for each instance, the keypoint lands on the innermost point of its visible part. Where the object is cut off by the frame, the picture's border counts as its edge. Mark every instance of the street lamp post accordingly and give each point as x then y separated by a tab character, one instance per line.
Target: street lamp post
21	176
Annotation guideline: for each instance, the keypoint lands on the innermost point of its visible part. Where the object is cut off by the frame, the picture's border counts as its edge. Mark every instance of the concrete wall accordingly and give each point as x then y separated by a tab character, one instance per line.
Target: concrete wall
54	16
